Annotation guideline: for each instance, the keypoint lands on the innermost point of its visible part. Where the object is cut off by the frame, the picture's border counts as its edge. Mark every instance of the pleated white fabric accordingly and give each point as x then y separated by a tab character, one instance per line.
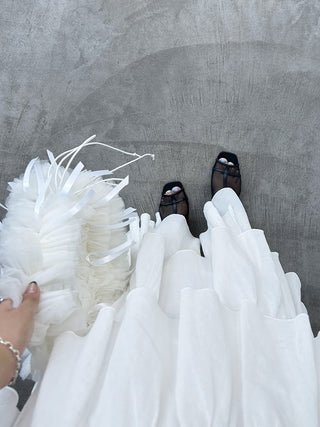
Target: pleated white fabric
220	340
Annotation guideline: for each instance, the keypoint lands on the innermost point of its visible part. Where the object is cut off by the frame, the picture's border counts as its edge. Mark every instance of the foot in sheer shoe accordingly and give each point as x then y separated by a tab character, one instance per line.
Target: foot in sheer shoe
226	173
174	200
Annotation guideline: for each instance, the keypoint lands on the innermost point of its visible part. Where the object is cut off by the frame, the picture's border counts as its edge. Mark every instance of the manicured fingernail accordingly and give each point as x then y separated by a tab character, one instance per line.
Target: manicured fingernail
32	288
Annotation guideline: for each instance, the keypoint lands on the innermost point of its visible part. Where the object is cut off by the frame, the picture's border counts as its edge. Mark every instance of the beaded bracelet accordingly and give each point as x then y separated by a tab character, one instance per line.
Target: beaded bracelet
17	356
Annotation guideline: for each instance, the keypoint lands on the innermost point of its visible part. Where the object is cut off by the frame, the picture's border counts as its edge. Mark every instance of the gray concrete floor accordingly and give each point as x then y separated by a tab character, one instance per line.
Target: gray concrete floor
181	79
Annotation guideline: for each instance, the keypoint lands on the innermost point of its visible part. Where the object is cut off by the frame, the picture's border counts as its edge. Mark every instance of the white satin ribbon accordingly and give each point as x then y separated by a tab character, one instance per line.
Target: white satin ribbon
42	187
72	178
39	175
109	255
114	226
76	208
101	173
51	158
113	192
127	212
41	197
26	177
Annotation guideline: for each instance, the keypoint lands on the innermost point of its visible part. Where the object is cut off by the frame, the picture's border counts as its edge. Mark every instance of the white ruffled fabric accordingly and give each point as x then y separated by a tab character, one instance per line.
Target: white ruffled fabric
221	340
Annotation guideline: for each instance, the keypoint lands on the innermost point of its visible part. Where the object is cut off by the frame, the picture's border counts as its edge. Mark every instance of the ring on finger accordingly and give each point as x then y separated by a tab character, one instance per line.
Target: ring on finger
2	299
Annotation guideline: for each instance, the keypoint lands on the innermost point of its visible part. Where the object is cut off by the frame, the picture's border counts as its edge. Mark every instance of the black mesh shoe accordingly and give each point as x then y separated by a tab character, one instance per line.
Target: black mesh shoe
176	203
224	175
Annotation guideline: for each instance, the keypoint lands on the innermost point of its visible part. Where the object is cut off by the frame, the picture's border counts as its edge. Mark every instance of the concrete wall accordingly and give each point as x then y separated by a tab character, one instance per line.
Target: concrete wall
181	79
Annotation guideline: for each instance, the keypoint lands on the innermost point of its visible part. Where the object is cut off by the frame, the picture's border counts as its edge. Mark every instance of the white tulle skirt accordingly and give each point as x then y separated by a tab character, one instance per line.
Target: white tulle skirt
216	340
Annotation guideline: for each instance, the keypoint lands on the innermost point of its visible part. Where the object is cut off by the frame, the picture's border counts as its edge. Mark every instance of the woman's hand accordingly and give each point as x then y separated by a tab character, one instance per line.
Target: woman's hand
16	326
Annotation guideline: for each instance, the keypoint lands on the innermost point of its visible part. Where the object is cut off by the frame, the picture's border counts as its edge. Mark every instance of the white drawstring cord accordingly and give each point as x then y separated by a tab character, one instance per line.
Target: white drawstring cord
117	168
132	161
113	148
74	151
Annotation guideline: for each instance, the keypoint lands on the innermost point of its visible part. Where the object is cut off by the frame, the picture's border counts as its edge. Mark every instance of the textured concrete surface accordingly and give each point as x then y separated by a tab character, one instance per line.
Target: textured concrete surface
181	79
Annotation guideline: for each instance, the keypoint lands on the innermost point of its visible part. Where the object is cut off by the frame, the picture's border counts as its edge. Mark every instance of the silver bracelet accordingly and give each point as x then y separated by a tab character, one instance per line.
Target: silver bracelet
17	356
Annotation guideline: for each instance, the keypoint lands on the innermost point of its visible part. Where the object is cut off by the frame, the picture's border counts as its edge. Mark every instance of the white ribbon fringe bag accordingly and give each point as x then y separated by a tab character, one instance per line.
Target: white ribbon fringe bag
67	230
